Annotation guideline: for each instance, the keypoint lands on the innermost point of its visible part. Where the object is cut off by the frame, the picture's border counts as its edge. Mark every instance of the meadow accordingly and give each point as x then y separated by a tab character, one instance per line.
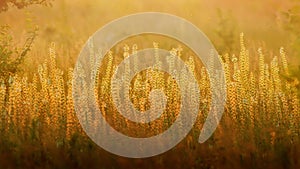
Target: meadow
260	127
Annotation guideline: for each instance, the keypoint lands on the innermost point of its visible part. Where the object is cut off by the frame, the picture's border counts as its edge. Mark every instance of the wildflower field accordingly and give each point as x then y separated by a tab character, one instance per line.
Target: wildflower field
39	45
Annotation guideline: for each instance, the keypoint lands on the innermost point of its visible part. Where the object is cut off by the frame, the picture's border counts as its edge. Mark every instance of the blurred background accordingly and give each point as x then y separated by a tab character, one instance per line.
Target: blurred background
69	23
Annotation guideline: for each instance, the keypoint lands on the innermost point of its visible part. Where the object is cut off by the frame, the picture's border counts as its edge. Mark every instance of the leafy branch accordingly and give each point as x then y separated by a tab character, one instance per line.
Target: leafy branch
6	4
12	57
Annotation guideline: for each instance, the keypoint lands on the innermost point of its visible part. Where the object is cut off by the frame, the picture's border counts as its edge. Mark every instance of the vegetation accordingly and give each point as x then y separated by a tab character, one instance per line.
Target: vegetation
261	121
260	127
5	4
12	57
